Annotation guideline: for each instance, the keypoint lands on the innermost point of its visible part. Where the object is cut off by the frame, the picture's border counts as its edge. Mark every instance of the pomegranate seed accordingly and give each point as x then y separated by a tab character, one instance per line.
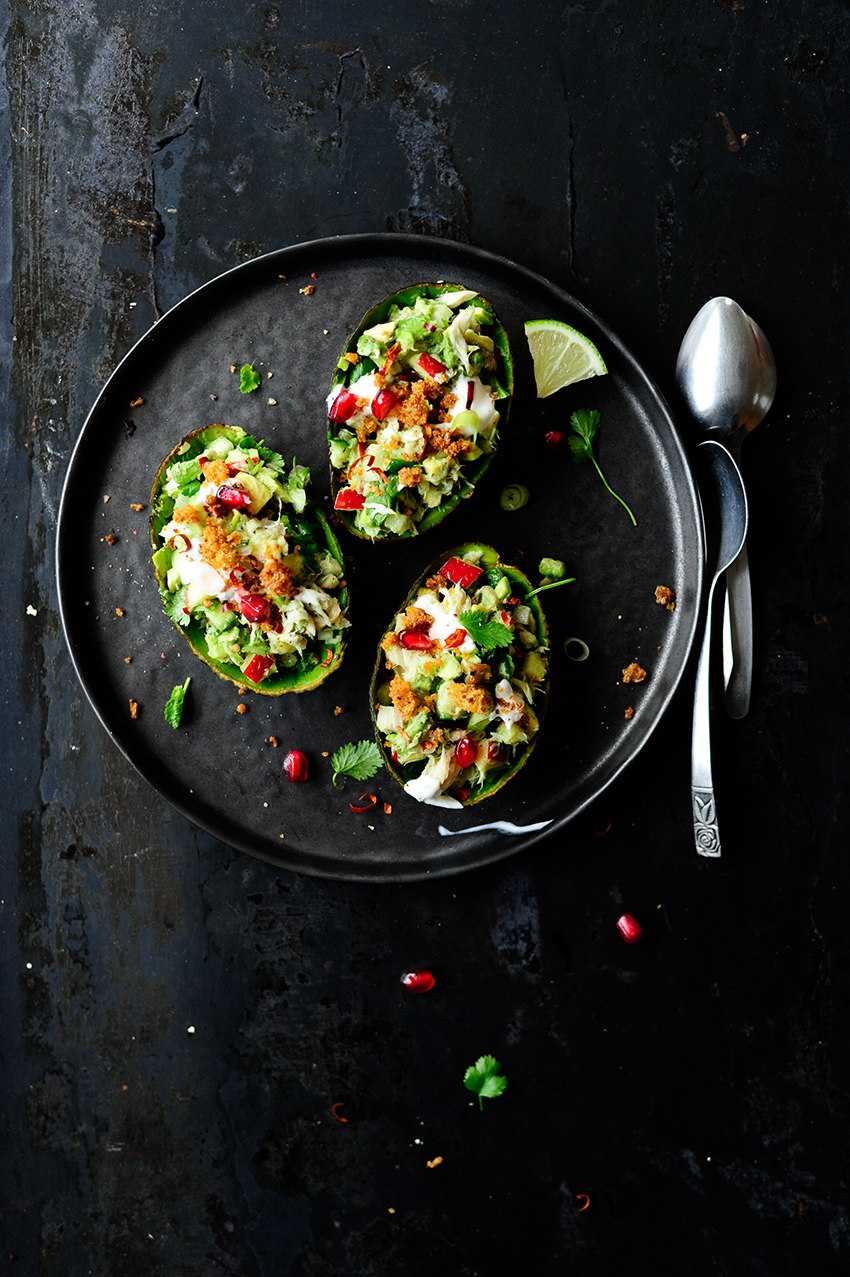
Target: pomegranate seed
295	766
629	928
233	497
495	753
413	640
552	440
343	407
466	752
383	404
254	607
418	981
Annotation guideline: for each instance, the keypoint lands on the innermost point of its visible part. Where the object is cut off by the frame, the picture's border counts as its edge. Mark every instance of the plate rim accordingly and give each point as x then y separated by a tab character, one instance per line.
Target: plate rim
421	245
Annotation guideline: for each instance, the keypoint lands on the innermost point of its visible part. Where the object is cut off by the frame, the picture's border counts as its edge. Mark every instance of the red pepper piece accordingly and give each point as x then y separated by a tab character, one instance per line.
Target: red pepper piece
430	366
629	928
329	655
235	498
255	607
343	407
418	981
348	499
582	1197
383	404
390	359
258	667
459	572
415	640
369	801
295	766
339	1105
183	537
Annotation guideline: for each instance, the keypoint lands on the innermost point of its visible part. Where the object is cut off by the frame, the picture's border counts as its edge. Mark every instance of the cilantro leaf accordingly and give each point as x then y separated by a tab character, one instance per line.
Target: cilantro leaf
359	760
249	379
484	1079
486	635
584	423
173	711
175	605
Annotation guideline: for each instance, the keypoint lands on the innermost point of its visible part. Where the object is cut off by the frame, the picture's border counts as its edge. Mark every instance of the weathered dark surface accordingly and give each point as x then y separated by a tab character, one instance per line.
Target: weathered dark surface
695	1085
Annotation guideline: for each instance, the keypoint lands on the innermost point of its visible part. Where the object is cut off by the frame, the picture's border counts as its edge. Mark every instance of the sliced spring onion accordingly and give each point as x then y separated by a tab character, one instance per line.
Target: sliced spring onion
576	649
514	496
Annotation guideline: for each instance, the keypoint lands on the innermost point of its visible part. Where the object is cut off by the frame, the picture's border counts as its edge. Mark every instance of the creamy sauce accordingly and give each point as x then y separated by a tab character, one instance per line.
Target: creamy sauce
444	622
500	826
509	704
482	403
425	789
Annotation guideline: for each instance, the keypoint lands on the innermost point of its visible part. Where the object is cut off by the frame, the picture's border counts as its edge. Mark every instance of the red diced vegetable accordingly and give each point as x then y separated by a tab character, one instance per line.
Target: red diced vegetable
459	572
348	499
258	667
455	639
430	366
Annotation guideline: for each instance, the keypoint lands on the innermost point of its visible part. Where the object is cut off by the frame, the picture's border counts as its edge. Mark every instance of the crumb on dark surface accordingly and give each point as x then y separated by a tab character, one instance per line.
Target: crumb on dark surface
242	709
634	673
629	713
665	596
134	708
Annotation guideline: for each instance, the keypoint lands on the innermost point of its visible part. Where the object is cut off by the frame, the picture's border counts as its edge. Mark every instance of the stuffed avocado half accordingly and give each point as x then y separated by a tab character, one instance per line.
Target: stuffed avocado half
414	409
461	679
247	567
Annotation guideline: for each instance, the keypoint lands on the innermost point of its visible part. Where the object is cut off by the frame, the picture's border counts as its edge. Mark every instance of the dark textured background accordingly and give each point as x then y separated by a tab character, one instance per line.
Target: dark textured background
695	1085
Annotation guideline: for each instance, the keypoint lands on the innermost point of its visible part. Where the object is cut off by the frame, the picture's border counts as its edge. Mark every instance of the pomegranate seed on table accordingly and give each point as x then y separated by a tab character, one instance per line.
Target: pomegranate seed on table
552	440
418	981
466	752
629	928
295	766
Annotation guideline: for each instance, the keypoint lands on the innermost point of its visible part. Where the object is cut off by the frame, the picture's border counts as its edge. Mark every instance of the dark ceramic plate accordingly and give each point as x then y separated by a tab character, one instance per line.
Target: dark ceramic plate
219	768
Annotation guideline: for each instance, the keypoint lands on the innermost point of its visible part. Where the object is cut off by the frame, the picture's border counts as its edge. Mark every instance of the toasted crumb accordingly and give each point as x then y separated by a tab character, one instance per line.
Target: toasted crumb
136	505
436	1161
633	673
307	291
110	539
388	809
128	660
242	708
338	709
119	611
326	753
213	397
233	368
630	712
665	596
134	708
273	741
136	403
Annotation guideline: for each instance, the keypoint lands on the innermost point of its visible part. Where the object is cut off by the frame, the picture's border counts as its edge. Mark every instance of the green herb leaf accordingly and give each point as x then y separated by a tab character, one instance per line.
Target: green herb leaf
486	635
585	423
173	711
175	605
249	379
484	1079
550	585
359	760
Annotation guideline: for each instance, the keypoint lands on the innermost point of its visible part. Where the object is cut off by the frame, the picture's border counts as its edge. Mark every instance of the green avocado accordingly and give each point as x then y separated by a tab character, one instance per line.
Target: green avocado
253	652
510	639
413	339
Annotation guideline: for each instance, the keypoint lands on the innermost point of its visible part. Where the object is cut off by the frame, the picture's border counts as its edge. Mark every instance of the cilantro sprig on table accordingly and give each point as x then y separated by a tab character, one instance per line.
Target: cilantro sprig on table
173	711
486	635
360	760
484	1079
584	423
249	379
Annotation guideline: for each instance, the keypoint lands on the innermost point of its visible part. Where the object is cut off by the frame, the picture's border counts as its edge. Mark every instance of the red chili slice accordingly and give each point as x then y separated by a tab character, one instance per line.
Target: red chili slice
390	359
184	537
334	1108
258	667
373	798
430	366
455	639
460	572
329	655
348	499
582	1197
383	404
470	394
343	407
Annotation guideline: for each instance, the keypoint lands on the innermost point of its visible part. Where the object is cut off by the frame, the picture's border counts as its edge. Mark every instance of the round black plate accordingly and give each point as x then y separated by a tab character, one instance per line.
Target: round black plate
219	768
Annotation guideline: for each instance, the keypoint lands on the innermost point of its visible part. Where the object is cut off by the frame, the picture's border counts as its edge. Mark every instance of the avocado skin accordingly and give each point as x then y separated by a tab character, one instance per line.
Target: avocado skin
475	471
288	680
489	559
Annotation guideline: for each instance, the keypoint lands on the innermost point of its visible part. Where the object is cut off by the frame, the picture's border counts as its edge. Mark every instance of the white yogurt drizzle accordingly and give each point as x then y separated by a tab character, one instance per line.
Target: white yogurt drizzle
501	827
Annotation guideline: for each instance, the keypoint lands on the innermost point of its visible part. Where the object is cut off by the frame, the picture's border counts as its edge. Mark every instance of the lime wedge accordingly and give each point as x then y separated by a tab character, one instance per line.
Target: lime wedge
561	355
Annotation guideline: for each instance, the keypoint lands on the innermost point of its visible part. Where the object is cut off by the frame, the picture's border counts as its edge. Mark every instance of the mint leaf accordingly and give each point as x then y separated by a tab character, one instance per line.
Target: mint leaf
359	760
249	379
486	635
584	423
173	711
484	1079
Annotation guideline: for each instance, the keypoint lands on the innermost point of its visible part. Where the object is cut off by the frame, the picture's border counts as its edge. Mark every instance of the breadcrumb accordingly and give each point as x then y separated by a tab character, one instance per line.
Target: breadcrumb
403	698
470	698
633	673
665	596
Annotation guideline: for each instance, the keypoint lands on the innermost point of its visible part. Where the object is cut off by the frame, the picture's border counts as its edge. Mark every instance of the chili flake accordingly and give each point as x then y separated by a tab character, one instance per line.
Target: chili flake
334	1108
134	708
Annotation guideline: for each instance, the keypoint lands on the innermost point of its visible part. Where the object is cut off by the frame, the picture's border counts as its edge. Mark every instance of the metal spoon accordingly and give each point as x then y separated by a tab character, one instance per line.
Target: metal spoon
732	503
726	374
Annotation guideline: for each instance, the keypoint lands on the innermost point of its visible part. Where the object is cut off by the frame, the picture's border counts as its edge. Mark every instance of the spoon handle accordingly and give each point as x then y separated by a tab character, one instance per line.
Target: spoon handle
740	681
706	832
